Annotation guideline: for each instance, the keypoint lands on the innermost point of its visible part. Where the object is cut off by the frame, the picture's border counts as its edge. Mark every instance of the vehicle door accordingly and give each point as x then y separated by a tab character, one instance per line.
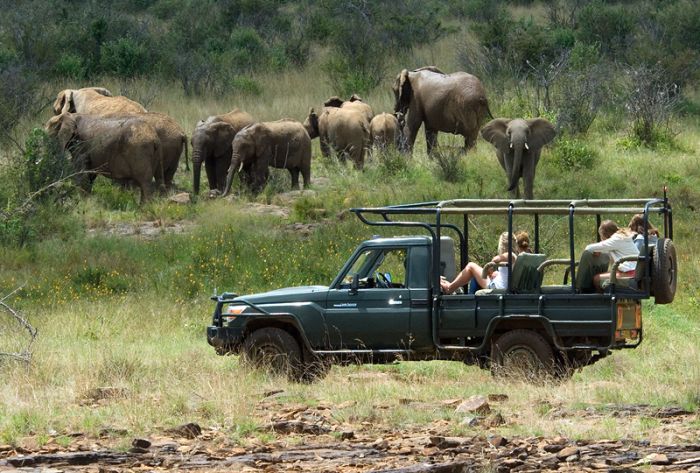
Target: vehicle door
376	313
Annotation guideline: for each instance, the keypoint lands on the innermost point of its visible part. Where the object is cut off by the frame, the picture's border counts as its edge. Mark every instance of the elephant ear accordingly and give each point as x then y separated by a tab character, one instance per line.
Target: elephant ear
495	133
311	124
541	132
263	144
334	101
102	91
222	133
64	102
64	127
355	98
403	92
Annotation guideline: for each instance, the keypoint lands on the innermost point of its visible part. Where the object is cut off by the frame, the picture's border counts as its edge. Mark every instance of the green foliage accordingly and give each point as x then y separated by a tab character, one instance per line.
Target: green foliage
124	57
606	24
114	197
572	155
450	164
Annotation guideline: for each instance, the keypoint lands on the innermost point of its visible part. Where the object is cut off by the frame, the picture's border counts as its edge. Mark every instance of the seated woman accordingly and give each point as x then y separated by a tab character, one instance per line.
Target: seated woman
523	240
636	226
496	279
617	243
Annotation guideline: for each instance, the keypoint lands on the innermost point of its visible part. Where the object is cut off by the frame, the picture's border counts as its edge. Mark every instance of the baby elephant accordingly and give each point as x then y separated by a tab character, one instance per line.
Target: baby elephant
282	144
386	130
518	145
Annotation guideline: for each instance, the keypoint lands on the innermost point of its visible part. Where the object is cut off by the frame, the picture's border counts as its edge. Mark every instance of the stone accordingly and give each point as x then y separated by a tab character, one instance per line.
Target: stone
494	420
188	431
140	443
567	452
471	421
347	435
497	441
181	198
475	404
654	459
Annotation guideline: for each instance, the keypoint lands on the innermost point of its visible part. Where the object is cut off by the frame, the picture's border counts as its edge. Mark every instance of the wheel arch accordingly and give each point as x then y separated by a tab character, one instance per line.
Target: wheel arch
541	325
286	322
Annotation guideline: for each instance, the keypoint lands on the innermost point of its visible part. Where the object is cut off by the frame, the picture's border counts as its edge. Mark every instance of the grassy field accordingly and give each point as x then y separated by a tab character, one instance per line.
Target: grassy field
129	313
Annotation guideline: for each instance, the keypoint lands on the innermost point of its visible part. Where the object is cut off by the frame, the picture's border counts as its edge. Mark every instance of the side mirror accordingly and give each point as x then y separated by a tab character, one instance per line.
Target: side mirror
354	284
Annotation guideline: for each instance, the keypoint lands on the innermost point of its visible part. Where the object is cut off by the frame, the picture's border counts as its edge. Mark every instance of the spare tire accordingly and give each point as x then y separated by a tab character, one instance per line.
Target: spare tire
665	271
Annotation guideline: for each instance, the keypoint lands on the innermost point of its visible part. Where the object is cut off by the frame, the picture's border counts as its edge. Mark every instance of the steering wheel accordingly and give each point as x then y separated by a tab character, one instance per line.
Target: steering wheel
381	280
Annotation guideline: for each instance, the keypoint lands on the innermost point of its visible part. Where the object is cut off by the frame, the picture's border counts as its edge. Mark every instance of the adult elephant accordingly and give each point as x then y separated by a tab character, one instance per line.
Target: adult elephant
211	145
452	103
94	100
125	148
283	144
343	130
386	130
518	145
355	102
173	141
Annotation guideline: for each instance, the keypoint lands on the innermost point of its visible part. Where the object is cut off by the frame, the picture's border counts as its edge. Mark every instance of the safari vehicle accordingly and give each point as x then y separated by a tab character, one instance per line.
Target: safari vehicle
385	304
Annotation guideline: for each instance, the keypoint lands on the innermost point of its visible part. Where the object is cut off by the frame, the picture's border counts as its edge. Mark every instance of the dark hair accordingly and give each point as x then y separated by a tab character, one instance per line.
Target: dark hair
637	225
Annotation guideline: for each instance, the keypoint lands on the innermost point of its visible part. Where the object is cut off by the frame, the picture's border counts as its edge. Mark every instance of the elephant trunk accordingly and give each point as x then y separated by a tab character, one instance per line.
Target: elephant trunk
516	171
197	170
232	170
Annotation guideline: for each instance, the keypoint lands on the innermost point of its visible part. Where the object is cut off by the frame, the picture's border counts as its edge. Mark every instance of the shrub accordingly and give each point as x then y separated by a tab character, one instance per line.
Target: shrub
451	166
113	197
609	25
124	57
572	154
650	101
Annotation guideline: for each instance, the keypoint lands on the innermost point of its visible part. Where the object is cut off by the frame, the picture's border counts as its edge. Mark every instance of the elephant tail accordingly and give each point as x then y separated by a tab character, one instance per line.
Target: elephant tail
187	158
488	110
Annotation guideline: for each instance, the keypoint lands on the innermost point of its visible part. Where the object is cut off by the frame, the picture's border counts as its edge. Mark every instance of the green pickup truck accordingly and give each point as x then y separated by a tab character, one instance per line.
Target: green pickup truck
385	304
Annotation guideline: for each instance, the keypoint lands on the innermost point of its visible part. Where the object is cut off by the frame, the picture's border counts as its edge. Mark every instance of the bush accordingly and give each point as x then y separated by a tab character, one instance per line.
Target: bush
572	154
124	57
608	25
451	165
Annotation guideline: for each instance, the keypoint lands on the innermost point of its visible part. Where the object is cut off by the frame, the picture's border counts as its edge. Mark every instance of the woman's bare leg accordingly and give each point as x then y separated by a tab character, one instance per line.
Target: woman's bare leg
470	271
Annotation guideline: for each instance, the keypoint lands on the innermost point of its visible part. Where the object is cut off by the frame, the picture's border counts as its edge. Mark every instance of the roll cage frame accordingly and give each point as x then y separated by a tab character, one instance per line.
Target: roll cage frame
388	217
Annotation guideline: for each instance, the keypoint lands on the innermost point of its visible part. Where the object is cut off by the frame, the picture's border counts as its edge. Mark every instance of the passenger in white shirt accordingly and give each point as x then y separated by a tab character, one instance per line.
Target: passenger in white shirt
617	243
497	279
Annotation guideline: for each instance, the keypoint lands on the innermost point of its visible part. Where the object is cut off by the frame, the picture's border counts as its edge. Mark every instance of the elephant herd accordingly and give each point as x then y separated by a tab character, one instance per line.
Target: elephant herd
117	137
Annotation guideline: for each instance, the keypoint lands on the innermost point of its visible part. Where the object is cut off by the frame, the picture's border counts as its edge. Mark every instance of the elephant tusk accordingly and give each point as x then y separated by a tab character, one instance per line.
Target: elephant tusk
511	146
527	147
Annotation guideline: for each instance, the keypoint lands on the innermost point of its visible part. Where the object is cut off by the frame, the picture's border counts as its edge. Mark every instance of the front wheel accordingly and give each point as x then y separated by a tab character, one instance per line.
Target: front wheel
523	354
274	350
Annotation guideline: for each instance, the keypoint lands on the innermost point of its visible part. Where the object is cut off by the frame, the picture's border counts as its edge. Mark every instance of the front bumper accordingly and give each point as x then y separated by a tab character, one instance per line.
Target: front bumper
224	337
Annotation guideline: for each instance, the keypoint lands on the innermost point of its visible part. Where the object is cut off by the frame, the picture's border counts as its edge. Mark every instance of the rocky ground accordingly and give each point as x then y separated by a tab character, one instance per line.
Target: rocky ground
310	439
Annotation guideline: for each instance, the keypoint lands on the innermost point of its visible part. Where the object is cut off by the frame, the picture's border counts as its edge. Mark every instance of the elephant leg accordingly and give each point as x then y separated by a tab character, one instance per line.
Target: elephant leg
413	124
306	175
470	141
210	168
325	148
220	172
294	172
529	165
430	139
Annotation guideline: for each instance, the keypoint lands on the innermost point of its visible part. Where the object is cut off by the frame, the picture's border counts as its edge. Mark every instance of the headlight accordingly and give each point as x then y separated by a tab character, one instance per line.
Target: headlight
235	309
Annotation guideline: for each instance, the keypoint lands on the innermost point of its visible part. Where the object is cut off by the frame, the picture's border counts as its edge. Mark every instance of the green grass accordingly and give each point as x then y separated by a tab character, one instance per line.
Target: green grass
130	312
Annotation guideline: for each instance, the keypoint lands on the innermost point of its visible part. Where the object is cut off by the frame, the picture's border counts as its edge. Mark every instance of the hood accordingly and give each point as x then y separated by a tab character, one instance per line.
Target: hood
289	294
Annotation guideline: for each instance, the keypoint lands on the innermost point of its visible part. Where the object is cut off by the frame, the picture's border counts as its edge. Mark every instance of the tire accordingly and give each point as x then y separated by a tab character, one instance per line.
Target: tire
523	354
664	272
275	351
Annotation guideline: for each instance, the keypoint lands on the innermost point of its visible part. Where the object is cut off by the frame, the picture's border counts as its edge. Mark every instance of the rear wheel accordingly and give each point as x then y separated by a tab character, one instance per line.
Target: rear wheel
274	350
665	272
523	354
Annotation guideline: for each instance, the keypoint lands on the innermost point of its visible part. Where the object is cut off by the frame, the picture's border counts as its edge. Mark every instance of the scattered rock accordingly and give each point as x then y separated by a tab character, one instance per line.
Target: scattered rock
446	442
141	443
567	452
497	440
298	427
188	431
471	421
214	194
181	198
654	459
347	435
475	404
112	431
494	420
